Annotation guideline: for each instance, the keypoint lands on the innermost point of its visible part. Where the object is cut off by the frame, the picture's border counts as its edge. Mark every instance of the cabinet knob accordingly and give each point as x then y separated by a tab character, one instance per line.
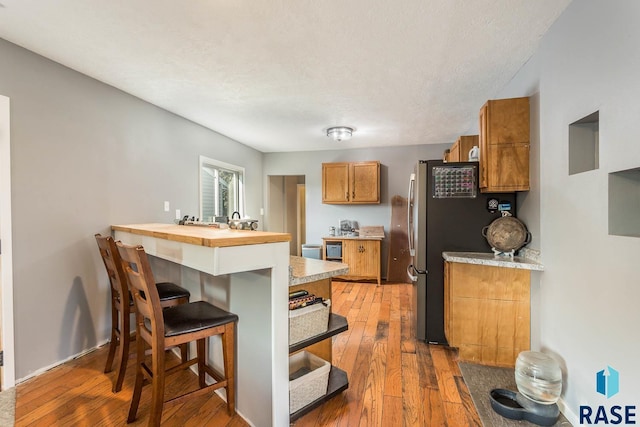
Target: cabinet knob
353	194
346	195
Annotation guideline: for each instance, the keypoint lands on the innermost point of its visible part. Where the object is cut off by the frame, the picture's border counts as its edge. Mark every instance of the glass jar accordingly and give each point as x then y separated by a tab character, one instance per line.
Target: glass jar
538	377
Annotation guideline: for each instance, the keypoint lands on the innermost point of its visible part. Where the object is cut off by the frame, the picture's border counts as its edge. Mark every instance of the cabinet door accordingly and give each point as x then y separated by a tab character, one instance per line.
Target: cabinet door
508	167
365	182
504	145
447	303
482	139
489	313
466	143
454	152
335	183
508	121
363	257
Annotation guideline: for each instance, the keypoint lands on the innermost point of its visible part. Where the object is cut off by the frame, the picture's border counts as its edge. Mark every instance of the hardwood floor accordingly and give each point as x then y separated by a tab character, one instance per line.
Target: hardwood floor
393	380
78	393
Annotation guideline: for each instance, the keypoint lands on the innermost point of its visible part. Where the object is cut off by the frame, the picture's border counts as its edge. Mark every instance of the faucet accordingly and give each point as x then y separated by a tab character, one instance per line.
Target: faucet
234	213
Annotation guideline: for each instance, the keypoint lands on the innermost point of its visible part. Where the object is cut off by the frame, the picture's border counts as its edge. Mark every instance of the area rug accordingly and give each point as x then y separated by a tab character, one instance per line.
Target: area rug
481	380
8	407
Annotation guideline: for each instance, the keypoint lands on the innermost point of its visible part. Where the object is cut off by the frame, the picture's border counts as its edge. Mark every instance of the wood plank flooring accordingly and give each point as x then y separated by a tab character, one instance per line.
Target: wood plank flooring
393	380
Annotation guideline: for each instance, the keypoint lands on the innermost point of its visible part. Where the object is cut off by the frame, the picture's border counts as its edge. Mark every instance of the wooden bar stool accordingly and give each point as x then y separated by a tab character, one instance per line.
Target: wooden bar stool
122	305
160	329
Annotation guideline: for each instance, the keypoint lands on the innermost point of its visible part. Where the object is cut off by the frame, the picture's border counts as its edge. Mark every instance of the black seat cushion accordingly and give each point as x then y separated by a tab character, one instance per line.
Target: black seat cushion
169	291
166	292
193	317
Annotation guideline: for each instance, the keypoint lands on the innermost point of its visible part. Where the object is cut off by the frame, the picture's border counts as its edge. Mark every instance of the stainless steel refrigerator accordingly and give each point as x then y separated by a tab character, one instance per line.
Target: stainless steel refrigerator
446	212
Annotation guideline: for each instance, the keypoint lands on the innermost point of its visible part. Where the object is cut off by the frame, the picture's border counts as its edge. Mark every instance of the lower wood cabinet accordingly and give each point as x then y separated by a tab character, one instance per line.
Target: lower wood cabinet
487	312
361	254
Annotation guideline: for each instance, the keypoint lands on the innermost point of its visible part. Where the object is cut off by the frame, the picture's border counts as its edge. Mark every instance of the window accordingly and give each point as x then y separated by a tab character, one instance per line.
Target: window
221	189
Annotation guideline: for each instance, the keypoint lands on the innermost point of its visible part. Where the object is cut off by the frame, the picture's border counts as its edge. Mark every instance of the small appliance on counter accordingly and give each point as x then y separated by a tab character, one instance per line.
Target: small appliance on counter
348	228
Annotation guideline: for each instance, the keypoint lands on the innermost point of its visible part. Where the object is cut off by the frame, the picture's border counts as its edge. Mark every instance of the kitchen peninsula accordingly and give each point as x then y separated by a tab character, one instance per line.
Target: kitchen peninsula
247	273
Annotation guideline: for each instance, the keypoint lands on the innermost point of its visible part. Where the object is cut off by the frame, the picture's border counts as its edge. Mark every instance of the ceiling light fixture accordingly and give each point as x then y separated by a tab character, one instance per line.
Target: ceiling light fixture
340	133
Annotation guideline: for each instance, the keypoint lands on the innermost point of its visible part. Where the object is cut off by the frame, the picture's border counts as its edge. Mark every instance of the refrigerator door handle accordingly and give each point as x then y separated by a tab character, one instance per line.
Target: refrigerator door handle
410	228
413	272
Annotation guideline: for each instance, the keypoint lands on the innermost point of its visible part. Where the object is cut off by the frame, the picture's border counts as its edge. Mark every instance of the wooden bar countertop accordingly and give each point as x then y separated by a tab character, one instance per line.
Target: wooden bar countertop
204	236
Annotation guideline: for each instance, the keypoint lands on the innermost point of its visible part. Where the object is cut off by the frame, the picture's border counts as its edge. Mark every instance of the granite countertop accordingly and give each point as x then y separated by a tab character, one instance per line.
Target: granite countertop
204	236
490	259
305	270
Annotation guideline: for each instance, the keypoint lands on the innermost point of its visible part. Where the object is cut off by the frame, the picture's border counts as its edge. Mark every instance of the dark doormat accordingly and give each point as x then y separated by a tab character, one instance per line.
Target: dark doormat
481	380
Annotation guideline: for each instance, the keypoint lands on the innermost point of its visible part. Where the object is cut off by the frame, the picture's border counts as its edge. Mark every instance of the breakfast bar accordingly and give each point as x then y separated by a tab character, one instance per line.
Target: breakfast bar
247	273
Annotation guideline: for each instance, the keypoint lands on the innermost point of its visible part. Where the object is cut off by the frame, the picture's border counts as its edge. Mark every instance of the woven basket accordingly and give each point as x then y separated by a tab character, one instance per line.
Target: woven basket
308	321
311	386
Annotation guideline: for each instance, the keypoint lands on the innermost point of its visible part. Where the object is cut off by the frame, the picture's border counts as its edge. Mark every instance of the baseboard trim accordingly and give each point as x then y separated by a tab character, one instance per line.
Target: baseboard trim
61	362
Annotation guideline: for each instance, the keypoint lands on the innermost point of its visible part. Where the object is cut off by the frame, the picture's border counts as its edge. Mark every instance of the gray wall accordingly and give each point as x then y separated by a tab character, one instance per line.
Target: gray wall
586	313
85	156
396	165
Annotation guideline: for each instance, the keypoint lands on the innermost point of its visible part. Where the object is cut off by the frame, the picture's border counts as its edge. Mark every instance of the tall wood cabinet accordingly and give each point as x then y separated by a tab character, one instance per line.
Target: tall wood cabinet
361	254
504	145
351	183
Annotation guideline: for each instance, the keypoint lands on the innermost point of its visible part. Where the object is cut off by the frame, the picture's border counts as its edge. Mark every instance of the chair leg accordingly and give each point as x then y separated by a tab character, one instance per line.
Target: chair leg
137	388
114	338
125	338
202	355
157	391
184	352
228	355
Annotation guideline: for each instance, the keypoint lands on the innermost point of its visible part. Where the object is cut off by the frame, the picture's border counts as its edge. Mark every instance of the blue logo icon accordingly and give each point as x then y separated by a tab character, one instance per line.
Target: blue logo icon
608	382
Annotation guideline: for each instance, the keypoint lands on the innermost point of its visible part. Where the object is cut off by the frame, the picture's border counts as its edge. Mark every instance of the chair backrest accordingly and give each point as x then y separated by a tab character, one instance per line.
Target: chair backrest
136	267
113	265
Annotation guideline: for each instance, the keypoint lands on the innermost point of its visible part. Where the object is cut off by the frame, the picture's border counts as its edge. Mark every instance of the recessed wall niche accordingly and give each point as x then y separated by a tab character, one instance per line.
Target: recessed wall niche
624	203
583	144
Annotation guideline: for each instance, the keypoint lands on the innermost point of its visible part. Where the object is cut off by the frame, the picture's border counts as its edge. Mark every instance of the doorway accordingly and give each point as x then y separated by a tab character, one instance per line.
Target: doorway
286	209
7	371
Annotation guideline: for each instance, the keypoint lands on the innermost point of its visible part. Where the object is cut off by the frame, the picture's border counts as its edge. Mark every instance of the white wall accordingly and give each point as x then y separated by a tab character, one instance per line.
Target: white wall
84	156
588	312
396	165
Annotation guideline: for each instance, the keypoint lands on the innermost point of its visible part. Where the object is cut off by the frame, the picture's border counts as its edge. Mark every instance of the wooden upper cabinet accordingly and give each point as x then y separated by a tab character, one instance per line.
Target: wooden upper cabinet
335	183
459	151
365	182
351	183
504	145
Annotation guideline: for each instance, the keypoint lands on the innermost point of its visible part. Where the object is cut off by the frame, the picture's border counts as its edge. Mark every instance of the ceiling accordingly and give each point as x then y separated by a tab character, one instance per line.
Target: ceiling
275	74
